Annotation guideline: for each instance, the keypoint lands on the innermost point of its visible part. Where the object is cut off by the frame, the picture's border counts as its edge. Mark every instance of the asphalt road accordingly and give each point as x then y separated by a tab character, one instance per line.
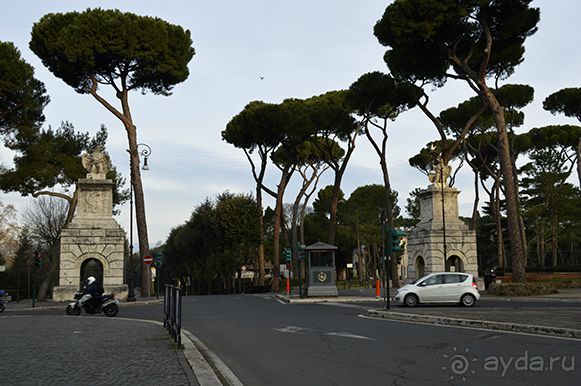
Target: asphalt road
267	342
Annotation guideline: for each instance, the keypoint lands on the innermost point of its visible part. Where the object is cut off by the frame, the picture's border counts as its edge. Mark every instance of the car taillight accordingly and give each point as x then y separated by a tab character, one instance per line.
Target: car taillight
474	284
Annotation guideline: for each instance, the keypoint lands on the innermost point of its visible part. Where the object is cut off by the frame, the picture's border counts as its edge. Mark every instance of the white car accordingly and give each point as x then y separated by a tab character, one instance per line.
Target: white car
442	287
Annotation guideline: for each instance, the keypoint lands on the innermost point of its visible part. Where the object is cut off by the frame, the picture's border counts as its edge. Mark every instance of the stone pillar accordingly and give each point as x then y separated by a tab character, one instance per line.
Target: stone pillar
92	234
425	243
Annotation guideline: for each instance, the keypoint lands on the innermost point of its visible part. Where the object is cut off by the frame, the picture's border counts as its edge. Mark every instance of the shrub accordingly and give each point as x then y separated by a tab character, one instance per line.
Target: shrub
522	289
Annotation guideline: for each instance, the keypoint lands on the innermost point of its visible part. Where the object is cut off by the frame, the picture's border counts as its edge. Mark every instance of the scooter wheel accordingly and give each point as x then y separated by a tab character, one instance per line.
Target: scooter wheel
76	311
111	310
2	307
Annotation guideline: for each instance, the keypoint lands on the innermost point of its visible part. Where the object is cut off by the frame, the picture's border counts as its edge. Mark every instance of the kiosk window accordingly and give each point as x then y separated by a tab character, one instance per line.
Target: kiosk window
322	259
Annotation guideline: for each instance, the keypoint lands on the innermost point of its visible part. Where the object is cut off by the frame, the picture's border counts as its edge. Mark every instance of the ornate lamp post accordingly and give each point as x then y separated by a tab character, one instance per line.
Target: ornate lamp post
131	277
443	208
439	175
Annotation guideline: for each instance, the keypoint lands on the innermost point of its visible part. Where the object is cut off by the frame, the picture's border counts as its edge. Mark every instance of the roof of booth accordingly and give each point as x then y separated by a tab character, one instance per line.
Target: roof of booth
319	246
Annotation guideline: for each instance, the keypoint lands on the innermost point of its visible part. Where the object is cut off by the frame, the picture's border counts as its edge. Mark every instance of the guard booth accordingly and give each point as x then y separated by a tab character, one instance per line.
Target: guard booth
321	274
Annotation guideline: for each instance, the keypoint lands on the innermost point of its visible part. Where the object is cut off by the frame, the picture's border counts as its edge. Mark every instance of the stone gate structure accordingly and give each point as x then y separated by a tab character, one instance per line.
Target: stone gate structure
425	242
93	243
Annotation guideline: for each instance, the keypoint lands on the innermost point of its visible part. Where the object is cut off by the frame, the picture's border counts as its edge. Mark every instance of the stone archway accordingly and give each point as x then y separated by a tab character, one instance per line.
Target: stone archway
420	267
454	264
91	267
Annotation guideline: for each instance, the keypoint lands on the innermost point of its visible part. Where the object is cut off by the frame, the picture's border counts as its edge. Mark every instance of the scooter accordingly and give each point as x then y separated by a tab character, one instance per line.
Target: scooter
107	303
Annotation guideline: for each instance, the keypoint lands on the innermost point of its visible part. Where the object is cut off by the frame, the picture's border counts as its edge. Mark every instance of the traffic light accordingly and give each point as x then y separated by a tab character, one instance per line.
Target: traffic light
158	260
397	241
286	255
302	252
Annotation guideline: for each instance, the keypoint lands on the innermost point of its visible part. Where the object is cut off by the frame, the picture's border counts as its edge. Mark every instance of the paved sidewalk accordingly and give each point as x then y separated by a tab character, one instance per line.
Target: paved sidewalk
65	350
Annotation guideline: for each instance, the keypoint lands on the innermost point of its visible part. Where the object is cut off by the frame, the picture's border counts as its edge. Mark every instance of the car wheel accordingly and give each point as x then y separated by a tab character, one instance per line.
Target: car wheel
467	300
411	300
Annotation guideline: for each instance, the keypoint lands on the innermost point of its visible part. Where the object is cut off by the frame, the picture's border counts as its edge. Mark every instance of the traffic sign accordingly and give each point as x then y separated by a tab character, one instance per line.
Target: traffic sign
147	259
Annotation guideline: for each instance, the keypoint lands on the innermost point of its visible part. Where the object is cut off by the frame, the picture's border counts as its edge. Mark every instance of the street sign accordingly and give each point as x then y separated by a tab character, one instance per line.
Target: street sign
147	259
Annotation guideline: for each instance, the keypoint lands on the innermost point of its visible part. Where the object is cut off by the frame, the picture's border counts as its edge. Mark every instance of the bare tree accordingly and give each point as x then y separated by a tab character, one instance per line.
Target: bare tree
44	218
8	230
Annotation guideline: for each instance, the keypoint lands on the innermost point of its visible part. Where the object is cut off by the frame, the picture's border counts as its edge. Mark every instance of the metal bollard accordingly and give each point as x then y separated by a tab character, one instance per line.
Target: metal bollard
172	309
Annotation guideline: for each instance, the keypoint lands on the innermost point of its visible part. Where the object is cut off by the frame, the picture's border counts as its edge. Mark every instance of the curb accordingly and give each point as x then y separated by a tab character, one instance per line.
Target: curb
338	299
62	306
475	323
207	366
529	299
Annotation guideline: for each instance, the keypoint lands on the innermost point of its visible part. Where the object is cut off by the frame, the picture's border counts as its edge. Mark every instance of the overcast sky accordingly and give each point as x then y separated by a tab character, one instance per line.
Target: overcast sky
301	48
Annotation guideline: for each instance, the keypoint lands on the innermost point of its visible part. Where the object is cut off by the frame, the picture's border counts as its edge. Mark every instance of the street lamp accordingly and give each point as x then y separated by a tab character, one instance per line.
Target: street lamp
145	153
443	208
439	175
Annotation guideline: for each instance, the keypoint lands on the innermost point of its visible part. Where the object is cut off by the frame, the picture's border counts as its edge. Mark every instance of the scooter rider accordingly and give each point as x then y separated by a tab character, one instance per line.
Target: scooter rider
93	290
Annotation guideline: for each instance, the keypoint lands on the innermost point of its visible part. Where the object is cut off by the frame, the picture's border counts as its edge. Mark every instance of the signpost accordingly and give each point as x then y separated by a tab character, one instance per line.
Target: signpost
147	259
158	262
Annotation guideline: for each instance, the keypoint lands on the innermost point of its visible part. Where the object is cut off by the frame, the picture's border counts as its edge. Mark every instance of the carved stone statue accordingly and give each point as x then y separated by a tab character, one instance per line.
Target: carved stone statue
440	173
96	163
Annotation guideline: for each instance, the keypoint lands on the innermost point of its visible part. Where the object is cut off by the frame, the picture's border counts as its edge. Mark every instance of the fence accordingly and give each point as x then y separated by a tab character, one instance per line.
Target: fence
172	312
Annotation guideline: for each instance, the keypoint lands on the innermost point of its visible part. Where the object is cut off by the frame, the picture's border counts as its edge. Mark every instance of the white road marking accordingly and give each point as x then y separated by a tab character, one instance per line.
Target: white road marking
301	330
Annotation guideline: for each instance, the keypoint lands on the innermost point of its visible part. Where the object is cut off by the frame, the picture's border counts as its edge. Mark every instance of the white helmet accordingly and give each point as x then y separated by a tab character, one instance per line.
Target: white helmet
90	279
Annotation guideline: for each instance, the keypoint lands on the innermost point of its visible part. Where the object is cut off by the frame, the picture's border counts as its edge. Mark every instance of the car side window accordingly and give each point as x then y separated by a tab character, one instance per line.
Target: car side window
462	278
436	279
452	279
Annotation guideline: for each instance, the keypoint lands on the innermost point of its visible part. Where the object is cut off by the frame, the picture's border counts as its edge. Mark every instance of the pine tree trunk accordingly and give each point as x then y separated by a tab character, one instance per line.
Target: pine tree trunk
333	208
554	240
578	151
277	226
511	190
498	225
261	269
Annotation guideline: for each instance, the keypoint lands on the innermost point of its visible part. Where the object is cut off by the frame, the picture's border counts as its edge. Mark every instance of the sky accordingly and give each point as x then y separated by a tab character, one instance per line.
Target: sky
301	48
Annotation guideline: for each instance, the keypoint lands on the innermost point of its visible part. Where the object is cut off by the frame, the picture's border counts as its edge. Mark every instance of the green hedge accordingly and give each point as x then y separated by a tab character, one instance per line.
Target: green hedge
522	289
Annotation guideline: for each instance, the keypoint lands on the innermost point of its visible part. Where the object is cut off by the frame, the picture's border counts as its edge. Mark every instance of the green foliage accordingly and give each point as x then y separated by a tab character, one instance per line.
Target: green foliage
413	205
566	101
427	37
22	97
322	204
255	126
216	241
145	53
555	135
551	202
330	115
49	158
378	94
363	205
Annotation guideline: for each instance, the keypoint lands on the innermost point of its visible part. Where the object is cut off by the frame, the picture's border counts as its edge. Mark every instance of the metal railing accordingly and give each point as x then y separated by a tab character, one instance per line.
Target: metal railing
172	312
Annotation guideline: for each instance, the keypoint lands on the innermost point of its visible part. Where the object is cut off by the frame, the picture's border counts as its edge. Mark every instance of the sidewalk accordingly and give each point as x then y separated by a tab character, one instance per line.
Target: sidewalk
100	350
64	350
